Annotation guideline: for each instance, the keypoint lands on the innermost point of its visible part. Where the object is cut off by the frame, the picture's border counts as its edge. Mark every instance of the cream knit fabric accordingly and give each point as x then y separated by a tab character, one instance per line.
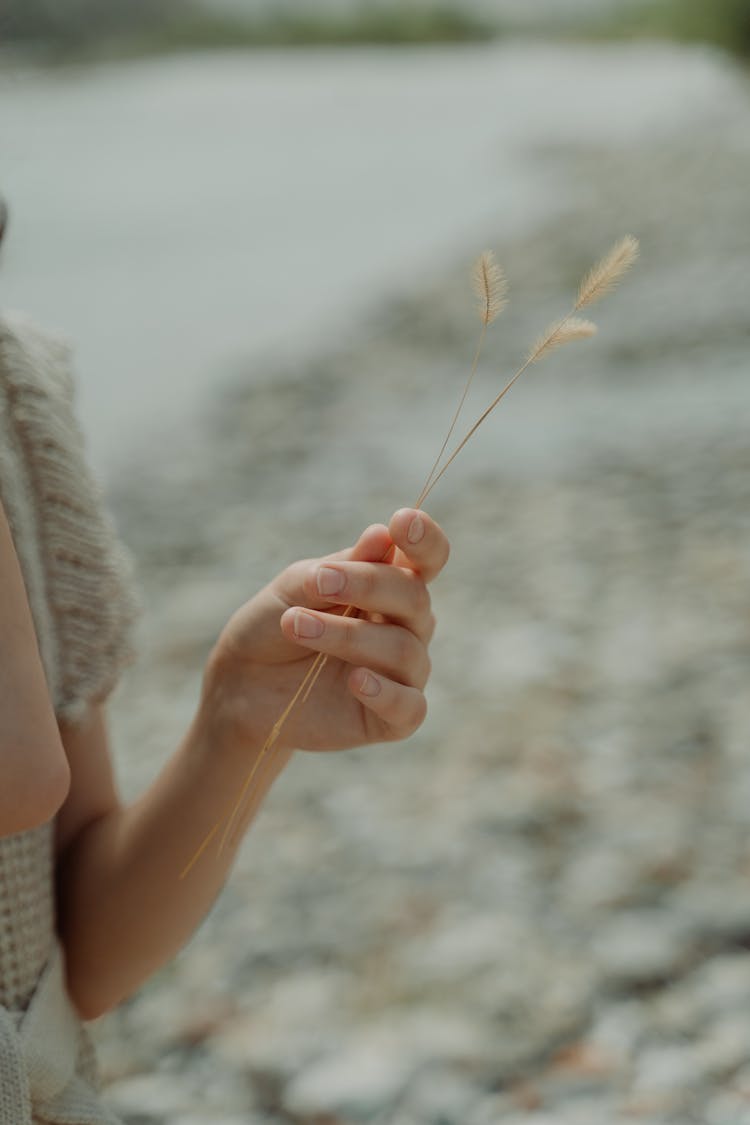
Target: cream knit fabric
80	585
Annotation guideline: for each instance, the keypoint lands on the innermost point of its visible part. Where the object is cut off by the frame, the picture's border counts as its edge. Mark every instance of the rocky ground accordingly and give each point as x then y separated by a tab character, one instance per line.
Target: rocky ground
538	910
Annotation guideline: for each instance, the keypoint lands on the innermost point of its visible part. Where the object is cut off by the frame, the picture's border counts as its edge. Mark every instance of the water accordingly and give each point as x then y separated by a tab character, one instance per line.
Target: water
519	11
187	218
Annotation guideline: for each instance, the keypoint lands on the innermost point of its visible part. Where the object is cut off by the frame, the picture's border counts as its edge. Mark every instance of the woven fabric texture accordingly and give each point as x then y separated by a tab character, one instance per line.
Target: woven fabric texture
80	583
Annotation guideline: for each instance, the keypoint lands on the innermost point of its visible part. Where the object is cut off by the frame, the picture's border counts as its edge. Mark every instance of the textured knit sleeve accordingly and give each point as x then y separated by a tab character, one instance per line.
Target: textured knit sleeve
80	579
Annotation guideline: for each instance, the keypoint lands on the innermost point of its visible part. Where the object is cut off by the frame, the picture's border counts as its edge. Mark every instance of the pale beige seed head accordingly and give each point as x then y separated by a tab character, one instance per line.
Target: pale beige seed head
561	332
604	276
490	286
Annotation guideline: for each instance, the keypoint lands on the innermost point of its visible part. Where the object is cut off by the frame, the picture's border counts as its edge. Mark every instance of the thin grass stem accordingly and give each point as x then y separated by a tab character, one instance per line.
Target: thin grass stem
206	841
469	381
533	357
493	287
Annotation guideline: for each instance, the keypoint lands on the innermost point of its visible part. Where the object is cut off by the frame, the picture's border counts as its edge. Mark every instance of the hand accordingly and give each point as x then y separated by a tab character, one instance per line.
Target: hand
371	688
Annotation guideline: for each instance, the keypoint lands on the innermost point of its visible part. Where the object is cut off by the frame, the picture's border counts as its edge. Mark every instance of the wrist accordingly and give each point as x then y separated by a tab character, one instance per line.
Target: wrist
229	722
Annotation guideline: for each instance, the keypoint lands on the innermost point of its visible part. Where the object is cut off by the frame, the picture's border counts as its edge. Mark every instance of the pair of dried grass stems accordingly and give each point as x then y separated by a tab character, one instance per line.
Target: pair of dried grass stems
491	288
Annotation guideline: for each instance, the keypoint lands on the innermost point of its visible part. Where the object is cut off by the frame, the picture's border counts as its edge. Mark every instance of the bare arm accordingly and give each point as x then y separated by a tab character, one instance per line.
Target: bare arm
123	910
34	774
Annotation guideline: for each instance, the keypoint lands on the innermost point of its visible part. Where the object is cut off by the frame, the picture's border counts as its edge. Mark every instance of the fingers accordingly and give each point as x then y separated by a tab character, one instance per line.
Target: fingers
388	651
401	708
291	586
422	544
391	592
425	556
386	648
373	545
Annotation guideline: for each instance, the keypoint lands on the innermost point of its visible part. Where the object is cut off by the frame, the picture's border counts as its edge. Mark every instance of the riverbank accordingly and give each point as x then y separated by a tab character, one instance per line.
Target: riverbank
537	910
298	193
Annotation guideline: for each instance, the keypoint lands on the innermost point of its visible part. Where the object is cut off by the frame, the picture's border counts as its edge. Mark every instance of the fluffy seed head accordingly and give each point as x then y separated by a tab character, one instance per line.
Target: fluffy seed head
490	286
605	275
561	332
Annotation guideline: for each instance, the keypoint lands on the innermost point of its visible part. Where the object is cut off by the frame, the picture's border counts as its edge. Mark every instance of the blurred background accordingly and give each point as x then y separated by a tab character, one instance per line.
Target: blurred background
256	221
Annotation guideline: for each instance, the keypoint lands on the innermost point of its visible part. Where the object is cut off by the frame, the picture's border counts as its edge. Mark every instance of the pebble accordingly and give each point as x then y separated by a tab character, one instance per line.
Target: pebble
441	1096
536	911
641	948
667	1068
149	1096
354	1082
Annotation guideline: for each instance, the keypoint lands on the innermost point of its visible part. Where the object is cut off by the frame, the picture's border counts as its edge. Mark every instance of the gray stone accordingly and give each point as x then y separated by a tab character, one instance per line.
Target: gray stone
359	1080
619	1027
715	909
413	925
458	948
723	983
215	1117
667	1069
728	1108
725	1045
641	947
492	1109
600	878
151	1095
441	1097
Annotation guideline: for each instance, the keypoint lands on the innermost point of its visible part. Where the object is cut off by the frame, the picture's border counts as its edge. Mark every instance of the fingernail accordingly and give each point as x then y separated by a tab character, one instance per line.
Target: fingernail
416	530
305	625
330	581
369	685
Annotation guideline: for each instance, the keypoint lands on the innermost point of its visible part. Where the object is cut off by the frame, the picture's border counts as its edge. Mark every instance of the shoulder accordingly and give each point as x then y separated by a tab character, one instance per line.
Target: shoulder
32	359
80	577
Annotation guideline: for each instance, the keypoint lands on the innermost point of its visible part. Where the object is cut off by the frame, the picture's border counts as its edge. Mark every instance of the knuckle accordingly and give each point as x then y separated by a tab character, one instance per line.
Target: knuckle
309	583
421	597
393	733
416	714
295	574
406	645
366	581
348	636
406	714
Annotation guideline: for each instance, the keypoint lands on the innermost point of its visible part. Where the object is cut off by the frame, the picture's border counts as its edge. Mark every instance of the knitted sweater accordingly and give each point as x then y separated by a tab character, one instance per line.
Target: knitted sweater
79	582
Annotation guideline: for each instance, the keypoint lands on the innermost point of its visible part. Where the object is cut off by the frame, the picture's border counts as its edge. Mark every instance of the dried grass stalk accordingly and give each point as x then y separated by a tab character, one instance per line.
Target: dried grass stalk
491	288
561	332
605	275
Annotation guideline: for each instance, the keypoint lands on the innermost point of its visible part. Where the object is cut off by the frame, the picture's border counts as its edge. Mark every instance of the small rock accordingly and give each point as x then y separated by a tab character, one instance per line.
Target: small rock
723	983
600	878
619	1028
728	1108
150	1096
641	947
666	1069
463	946
441	1097
358	1080
719	909
726	1045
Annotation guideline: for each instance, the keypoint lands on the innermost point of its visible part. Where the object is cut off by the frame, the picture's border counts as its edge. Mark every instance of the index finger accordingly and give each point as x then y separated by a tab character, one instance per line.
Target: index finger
422	545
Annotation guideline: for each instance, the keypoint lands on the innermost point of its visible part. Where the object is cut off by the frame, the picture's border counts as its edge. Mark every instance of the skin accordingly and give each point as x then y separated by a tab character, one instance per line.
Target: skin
29	735
123	910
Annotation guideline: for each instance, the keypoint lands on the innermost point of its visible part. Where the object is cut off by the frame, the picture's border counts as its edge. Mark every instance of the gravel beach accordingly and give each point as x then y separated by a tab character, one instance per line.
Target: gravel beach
537	910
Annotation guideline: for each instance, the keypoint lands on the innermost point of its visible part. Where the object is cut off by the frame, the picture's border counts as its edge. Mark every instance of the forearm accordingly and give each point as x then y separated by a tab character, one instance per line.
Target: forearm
123	909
